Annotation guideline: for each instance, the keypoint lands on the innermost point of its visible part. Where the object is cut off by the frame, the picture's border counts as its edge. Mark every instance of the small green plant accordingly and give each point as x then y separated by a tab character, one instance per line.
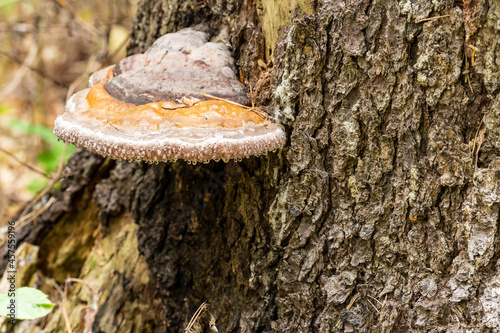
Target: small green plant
49	157
25	303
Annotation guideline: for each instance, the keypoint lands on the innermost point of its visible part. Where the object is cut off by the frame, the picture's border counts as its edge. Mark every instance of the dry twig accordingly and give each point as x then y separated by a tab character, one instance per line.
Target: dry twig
470	84
348	308
373	306
92	306
32	168
110	57
105	124
225	100
250	108
431	18
474	50
30	59
199	312
201	309
23	218
376	300
476	143
27	65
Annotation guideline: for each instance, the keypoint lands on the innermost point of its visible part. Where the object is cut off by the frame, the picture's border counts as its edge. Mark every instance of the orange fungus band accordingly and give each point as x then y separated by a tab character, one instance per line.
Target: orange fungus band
161	115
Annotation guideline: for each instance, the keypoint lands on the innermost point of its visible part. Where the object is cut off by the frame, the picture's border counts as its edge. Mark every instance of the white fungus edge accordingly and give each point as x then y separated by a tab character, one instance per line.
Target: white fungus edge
165	149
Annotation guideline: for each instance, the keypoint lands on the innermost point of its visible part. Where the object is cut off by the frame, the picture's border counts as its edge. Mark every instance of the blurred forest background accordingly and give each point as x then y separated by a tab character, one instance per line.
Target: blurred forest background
48	49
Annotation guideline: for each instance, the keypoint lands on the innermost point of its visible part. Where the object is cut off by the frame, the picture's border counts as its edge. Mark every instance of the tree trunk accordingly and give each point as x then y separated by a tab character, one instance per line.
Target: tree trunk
380	214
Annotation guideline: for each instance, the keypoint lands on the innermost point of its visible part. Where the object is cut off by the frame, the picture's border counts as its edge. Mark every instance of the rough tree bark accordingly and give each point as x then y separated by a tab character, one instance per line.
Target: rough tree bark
380	214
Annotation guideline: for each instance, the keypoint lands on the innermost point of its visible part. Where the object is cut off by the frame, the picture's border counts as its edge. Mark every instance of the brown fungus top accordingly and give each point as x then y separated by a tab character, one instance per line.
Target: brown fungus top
154	107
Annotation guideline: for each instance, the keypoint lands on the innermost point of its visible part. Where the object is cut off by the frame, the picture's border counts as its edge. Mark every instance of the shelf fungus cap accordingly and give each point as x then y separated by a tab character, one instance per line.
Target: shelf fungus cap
161	106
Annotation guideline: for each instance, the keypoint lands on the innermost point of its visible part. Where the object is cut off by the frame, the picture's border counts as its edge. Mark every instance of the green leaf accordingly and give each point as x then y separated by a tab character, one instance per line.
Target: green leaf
28	303
37	184
34	129
49	158
57	185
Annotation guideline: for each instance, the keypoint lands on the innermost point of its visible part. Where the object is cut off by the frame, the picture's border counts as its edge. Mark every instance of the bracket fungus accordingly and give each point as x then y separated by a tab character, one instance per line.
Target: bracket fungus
161	106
